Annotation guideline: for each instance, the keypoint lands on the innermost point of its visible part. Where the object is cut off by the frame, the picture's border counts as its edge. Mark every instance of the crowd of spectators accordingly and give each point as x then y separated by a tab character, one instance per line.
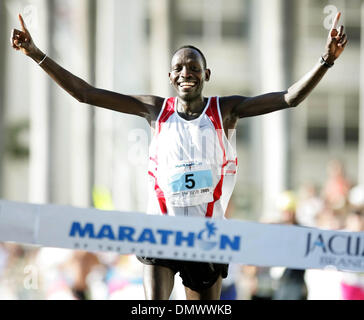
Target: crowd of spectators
338	205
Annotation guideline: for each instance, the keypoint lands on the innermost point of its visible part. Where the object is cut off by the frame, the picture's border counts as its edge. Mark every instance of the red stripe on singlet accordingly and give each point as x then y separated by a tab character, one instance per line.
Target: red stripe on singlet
166	114
213	114
160	195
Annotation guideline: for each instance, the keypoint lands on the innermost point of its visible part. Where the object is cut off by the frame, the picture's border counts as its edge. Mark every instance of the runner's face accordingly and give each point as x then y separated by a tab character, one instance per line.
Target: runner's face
188	74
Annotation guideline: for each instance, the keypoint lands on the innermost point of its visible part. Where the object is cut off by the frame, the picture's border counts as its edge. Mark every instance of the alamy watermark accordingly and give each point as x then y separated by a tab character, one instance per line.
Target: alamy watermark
31	17
330	11
206	144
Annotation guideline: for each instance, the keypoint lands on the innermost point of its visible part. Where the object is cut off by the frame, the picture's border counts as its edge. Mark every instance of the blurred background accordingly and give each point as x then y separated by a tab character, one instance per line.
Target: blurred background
303	166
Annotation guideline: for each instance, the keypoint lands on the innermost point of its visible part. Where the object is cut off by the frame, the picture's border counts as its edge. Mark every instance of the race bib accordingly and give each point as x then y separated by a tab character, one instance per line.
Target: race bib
190	184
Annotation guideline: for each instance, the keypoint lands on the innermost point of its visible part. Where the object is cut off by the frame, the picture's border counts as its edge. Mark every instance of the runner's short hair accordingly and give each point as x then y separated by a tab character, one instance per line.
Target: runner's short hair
194	48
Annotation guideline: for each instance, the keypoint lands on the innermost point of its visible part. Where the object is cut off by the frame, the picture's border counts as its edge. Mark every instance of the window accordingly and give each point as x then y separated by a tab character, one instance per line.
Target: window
317	120
191	28
324	123
353	33
228	19
234	29
351	130
317	134
235	19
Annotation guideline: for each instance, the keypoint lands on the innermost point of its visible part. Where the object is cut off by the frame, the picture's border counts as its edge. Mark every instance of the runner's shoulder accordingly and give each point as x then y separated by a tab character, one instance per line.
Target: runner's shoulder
152	104
229	103
150	101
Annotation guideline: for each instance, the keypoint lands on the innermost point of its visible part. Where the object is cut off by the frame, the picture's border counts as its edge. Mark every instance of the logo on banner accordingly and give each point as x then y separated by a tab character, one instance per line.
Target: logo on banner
206	239
340	250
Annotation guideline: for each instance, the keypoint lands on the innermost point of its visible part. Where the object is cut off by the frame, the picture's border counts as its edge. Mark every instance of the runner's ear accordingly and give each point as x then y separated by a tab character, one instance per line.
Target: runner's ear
207	74
169	77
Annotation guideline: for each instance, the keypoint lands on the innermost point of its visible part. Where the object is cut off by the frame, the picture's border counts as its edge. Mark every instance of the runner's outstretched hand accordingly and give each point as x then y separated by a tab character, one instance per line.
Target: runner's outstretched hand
22	40
336	41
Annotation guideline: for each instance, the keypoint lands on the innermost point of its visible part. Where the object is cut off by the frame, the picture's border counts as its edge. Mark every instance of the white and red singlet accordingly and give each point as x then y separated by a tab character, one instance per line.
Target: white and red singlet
192	164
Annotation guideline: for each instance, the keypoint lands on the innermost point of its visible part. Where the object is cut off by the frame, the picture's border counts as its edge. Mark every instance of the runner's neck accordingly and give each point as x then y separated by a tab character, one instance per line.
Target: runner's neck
190	110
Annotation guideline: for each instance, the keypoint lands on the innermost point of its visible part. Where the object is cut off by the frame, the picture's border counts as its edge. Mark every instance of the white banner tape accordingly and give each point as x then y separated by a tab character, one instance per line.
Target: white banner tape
181	238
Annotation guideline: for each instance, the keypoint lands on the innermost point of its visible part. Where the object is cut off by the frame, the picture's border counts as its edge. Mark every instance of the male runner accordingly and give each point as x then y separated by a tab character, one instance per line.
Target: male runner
187	181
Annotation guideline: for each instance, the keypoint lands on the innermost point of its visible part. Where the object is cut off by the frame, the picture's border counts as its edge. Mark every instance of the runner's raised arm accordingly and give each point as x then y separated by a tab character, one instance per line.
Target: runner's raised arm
241	107
147	107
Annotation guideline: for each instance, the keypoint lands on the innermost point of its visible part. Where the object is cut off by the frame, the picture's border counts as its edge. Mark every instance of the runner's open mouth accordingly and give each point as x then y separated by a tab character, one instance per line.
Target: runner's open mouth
187	84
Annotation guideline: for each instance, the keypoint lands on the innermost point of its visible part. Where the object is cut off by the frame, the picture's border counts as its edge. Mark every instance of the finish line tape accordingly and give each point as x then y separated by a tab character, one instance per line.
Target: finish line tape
181	238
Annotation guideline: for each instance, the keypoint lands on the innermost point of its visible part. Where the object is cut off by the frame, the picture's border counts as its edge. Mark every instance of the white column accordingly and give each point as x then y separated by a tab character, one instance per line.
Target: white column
272	79
39	162
80	142
212	21
336	124
361	123
256	148
129	187
105	64
2	85
120	67
161	46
